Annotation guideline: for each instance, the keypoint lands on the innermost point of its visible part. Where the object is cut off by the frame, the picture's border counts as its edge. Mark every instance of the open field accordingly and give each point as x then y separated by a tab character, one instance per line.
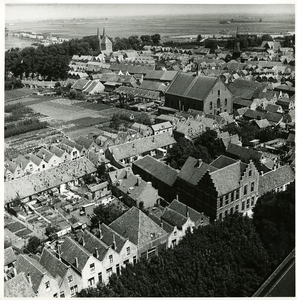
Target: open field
18	93
29	100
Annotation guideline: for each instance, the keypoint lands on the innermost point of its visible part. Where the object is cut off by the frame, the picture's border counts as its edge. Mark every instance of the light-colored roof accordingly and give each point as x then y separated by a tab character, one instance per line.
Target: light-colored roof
36	183
142	145
9	256
163	125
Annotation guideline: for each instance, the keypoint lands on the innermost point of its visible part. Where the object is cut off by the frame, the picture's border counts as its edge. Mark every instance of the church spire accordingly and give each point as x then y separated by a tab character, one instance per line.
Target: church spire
99	39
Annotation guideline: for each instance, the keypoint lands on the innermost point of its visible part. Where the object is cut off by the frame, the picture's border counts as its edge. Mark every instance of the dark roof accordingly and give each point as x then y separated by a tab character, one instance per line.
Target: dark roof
182	209
137	227
71	249
44	154
32	267
57	151
275	178
173	218
72	144
185	85
154	75
246	89
254	114
222	161
245	154
157	169
273	117
52	264
9	256
152	85
84	142
80	84
191	172
18	286
291	138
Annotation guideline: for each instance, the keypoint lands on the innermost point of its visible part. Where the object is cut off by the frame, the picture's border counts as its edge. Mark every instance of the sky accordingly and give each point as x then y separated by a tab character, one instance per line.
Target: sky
33	10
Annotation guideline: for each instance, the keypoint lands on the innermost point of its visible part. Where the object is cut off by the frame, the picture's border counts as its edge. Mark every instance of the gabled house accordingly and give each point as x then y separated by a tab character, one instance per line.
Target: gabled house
41	281
189	129
38	163
27	165
244	154
87	144
12	171
60	153
18	286
74	149
126	250
9	263
220	188
83	262
144	130
69	281
162	128
50	159
142	231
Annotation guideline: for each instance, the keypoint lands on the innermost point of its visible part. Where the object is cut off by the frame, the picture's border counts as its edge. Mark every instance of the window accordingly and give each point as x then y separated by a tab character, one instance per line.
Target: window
47	285
55	295
210	105
232	197
151	252
236	207
220	216
245	190
242	205
218	103
31	167
173	243
70	278
226	213
18	172
248	203
43	166
110	259
62	294
237	194
221	202
92	267
250	173
118	269
100	277
219	92
134	260
231	210
175	233
226	101
126	261
128	250
91	281
252	186
72	291
109	271
75	289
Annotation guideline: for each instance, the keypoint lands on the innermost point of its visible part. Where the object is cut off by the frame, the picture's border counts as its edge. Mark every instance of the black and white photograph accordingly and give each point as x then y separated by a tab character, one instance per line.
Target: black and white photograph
149	149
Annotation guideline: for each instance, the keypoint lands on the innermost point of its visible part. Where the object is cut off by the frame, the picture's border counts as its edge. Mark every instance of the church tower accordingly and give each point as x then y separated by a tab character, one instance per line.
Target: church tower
236	48
99	39
106	44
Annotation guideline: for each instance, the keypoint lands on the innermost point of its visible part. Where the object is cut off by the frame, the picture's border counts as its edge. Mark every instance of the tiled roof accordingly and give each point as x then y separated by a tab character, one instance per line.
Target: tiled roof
152	85
53	265
140	146
242	102
182	209
245	154
223	161
53	177
91	242
168	75
93	85
173	218
72	144
11	166
108	235
262	123
18	286
80	84
137	227
154	75
162	223
275	178
44	154
96	187
56	151
32	267
71	249
138	92
157	169
254	114
273	117
22	161
161	126
35	159
86	143
246	89
9	256
191	172
185	85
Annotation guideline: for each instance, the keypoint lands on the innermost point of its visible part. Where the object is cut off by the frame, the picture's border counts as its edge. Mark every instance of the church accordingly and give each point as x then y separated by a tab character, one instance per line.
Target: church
105	44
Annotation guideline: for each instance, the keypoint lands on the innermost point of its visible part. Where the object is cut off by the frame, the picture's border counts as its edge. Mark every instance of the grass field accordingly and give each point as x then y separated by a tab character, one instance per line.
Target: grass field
93	106
18	93
31	99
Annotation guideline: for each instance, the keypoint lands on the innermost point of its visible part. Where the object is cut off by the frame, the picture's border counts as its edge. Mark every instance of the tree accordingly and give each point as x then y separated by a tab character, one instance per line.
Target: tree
266	37
146	40
33	244
105	214
199	37
156	39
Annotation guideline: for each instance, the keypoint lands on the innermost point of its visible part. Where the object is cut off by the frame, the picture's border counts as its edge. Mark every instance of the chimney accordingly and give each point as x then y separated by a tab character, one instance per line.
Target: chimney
161	224
114	246
76	262
100	232
43	156
199	162
83	241
177	197
59	252
262	173
138	179
187	212
96	252
29	279
103	31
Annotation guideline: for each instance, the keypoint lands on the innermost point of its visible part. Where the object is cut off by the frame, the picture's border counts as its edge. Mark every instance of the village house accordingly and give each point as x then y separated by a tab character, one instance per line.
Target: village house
207	94
220	188
162	176
60	153
27	165
131	189
87	144
12	170
69	281
229	139
276	180
18	286
9	263
38	163
243	153
144	130
142	231
188	129
126	250
50	159
74	149
162	128
83	262
124	154
41	281
98	191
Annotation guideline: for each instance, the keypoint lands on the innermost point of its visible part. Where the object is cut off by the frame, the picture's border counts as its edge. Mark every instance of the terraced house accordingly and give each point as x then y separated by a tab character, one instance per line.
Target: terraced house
220	188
